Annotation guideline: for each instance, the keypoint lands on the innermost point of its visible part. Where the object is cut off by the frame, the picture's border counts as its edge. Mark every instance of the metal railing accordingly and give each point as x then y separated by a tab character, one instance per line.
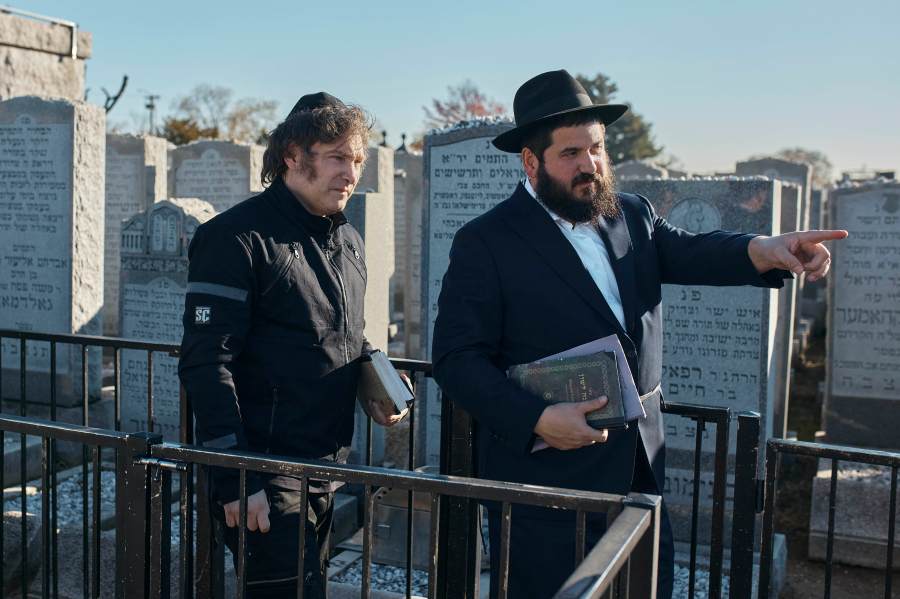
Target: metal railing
209	559
144	467
618	563
775	448
459	516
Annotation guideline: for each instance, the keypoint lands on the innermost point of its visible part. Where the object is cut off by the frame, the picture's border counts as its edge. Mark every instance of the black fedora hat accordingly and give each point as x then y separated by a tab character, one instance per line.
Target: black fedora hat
548	96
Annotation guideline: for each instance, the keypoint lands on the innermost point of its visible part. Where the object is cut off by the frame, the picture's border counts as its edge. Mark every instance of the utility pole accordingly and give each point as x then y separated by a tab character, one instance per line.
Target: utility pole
151	108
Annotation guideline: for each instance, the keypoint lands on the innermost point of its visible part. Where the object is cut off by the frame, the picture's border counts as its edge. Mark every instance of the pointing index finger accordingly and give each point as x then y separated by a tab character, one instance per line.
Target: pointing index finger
823	235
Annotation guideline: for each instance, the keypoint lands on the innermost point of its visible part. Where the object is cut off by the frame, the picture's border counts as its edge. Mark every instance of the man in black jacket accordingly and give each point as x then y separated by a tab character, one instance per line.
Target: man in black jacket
273	327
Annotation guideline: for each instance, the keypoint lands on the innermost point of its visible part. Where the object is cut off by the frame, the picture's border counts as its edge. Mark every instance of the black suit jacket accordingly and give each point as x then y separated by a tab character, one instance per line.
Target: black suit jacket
516	291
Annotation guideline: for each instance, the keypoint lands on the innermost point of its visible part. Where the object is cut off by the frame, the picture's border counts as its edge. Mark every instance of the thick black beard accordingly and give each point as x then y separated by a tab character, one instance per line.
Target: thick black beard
559	198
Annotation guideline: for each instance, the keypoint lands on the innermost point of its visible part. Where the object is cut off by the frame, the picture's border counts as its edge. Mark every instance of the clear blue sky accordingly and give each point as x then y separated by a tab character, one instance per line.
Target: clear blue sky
719	80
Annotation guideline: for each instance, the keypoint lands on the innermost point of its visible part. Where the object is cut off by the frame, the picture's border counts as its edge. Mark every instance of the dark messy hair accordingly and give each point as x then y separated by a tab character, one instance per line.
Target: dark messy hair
305	128
541	137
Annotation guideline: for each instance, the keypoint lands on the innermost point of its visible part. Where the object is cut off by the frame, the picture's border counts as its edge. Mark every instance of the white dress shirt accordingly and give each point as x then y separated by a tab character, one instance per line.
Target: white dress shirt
588	244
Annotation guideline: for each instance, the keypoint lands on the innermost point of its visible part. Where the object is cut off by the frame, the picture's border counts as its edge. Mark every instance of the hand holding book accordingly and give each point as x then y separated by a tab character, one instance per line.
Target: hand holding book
384	393
564	425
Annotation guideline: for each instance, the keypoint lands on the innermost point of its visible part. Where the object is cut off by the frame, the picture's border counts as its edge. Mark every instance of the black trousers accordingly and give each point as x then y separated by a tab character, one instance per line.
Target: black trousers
542	546
271	558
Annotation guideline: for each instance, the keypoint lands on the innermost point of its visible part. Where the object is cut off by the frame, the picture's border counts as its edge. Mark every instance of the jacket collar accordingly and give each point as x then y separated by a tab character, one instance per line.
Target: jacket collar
534	224
291	207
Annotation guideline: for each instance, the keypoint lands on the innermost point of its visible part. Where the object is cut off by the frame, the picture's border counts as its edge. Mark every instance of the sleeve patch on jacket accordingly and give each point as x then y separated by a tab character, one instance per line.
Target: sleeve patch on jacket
202	314
232	293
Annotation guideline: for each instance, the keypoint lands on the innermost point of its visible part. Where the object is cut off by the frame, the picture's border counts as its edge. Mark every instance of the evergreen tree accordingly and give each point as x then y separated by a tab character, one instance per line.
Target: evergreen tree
629	138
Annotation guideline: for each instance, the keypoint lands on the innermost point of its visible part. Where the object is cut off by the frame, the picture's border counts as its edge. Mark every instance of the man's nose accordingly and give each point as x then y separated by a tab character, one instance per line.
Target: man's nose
588	163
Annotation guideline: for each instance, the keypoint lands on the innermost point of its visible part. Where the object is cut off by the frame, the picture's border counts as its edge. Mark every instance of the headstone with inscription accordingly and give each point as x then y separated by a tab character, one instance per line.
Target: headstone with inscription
862	371
408	190
465	176
718	341
223	173
639	169
154	263
862	405
372	214
135	178
51	240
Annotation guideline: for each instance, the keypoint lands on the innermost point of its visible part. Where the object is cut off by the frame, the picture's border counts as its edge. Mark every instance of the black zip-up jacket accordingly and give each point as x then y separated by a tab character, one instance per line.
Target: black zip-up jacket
273	325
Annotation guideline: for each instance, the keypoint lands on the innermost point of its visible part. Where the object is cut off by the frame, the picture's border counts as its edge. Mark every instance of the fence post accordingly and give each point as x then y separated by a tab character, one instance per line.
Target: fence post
643	569
743	531
460	525
133	516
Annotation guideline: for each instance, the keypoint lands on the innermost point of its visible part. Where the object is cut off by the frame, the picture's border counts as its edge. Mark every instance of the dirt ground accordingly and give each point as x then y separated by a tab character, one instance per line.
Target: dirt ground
805	578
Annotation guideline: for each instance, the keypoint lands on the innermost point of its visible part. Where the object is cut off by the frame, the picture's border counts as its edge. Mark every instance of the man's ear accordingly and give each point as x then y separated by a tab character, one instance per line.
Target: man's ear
530	163
292	157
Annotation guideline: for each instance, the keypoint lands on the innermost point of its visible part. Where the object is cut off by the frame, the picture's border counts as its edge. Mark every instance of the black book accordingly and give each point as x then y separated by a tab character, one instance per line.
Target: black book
575	379
381	386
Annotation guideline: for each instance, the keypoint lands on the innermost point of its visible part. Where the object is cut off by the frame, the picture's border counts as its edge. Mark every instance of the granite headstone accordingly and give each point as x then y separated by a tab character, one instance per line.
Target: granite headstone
154	263
862	405
464	177
862	372
135	178
51	239
719	342
408	191
223	173
372	214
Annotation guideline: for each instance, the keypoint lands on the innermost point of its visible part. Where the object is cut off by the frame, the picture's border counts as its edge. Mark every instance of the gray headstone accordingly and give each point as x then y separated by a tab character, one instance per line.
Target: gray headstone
223	173
465	176
154	263
372	214
135	178
378	177
797	173
812	300
787	316
718	341
408	190
862	403
639	169
51	238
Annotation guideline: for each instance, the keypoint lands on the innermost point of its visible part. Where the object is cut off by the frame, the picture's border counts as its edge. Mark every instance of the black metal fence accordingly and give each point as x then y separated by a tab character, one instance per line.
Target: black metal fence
775	449
458	517
144	468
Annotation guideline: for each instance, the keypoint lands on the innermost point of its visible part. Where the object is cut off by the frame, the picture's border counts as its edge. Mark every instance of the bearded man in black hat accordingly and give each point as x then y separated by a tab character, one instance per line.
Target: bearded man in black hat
273	327
564	261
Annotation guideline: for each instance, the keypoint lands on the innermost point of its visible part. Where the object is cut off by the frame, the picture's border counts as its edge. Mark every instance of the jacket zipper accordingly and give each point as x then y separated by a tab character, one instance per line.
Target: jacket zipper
337	271
272	419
